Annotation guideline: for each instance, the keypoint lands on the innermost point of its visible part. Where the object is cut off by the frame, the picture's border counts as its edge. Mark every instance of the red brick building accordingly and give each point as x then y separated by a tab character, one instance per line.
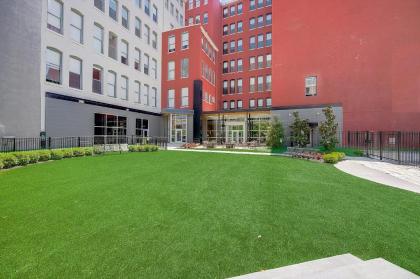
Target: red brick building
275	57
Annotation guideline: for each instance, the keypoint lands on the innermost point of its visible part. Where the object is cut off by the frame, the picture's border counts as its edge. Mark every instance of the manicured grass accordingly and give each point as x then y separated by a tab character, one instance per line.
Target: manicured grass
195	215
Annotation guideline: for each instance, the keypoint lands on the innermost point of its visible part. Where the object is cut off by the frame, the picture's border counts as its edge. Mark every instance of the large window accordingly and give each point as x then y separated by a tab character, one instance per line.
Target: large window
258	128
53	63
252	42
268	83
98	38
260	84
75	73
184	97
124	52
137	28
155	13
171	70
154	68
185	43
137	59
147	33
252	84
146	92
137	91
99	4
55	16
110	129
185	68
125	19
225	87
311	86
146	64
112	45
124	88
268	40
113	5
154	97
97	80
142	128
171	98
112	83
76	26
268	59
171	44
260	40
154	40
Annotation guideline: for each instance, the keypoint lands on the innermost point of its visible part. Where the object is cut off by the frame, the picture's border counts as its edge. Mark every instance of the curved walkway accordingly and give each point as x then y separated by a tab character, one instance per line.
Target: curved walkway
403	177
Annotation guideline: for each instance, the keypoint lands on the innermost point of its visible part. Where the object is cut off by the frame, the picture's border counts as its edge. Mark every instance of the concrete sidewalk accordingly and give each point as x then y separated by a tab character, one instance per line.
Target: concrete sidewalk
403	177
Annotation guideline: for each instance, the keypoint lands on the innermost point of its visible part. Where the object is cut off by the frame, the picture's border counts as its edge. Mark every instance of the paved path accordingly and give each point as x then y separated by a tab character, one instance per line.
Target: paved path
403	177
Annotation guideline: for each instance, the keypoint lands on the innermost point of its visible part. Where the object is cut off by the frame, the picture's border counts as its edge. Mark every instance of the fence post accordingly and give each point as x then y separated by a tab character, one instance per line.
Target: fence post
367	144
380	146
14	144
399	147
78	141
49	143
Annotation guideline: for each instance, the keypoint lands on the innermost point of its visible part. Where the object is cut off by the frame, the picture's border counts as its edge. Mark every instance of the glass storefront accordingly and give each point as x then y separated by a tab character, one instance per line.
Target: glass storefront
178	128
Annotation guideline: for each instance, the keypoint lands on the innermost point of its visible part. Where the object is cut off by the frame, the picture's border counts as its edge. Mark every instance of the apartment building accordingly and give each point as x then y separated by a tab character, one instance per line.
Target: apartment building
83	67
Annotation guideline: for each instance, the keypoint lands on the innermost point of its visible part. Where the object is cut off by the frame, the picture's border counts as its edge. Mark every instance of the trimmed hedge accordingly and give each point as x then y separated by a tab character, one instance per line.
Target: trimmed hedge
10	160
143	148
334	157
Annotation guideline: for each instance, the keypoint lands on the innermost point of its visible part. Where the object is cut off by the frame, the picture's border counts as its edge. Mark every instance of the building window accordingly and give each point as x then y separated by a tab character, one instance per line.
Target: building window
112	89
260	103
232	10
75	73
225	87
232	65
99	4
232	86
98	38
260	3
268	83
97	80
197	3
109	128
311	86
76	26
113	4
124	88
184	68
155	13
146	64
137	59
154	68
171	70
268	40
147	7
260	84
240	26
260	21
185	40
252	42
268	102
239	104
154	40
171	98
225	12
252	5
240	8
142	128
225	30
147	33
197	19
137	91
154	97
252	65
252	23
53	59
252	84
112	46
137	3
268	19
232	104
268	2
261	41
268	60
124	52
240	85
252	103
232	46
225	48
225	105
184	97
205	18
171	43
146	94
137	28
125	17
55	16
240	45
240	65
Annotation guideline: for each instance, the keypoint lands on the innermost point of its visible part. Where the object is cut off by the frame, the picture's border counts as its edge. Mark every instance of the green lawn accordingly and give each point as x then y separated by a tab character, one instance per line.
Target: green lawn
195	215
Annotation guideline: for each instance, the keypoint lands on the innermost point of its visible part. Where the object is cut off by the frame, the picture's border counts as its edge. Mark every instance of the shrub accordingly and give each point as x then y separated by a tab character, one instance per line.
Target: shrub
67	153
300	131
143	148
57	154
328	130
334	157
8	160
1	164
33	157
133	148
88	151
22	158
275	137
78	152
44	155
358	153
98	150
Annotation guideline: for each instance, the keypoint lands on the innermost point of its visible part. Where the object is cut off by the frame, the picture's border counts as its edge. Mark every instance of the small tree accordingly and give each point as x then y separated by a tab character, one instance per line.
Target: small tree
300	131
328	130
275	136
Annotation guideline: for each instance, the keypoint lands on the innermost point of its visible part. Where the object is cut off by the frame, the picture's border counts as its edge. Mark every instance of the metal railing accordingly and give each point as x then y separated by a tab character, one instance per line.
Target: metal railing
27	144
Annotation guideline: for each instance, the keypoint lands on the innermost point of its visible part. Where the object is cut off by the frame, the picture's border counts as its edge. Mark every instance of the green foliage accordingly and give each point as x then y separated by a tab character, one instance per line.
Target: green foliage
57	154
358	153
67	153
78	152
143	148
9	160
88	151
22	158
275	137
334	157
1	164
328	130
300	131
33	156
98	150
44	155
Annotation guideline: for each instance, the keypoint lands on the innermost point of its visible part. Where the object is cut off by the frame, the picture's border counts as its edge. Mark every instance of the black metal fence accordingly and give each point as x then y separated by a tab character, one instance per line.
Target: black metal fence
398	147
27	144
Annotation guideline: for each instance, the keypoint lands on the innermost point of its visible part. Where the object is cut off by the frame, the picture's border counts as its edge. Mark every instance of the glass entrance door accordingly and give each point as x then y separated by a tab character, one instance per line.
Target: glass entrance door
179	136
235	133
